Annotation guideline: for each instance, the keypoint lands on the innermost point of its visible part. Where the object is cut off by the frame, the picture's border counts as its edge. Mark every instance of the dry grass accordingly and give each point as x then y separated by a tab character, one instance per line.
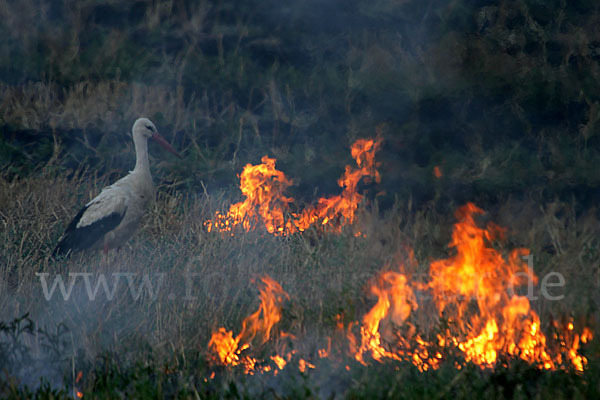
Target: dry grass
226	87
325	275
105	105
315	271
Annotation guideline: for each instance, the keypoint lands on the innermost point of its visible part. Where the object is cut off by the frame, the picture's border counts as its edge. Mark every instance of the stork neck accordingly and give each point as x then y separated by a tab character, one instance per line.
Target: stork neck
141	154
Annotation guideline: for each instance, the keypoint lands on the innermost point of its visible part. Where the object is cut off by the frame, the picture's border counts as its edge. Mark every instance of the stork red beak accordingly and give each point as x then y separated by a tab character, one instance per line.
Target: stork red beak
161	140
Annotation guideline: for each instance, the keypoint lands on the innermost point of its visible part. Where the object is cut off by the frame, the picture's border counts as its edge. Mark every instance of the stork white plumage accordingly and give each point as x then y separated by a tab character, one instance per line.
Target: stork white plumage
113	216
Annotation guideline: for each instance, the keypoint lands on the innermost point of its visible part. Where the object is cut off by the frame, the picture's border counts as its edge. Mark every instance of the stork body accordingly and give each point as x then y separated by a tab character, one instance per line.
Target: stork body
113	216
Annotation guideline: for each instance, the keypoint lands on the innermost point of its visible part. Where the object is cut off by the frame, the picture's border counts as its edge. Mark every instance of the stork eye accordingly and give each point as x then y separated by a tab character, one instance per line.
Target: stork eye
150	128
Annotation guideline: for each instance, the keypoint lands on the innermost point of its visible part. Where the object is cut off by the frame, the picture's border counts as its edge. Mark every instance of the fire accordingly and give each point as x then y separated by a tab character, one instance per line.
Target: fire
379	333
478	274
395	301
303	364
77	392
479	315
229	349
473	291
279	361
263	187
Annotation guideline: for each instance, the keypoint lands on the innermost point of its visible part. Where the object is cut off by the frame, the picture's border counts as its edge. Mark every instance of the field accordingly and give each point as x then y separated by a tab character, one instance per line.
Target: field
470	266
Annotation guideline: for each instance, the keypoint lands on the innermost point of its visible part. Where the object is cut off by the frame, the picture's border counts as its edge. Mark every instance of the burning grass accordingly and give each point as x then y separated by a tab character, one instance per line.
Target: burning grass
263	187
437	321
327	318
474	292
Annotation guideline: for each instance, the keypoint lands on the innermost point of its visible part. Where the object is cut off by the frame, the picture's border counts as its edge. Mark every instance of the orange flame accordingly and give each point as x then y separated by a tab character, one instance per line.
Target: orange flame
279	361
379	337
478	274
260	323
395	301
303	364
78	393
473	292
263	187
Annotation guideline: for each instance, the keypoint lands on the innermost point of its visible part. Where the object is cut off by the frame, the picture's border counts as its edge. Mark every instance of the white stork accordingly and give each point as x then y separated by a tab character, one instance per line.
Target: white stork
110	218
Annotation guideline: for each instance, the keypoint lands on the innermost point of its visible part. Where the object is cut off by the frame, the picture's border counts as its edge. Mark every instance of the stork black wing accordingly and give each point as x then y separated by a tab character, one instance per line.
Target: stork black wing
76	239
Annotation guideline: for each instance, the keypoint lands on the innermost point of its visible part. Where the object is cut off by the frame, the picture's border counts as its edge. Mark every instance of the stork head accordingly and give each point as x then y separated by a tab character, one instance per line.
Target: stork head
144	128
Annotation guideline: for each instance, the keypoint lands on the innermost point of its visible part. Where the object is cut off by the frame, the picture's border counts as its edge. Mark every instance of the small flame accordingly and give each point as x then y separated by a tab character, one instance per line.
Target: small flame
587	335
323	353
78	378
263	187
279	361
303	364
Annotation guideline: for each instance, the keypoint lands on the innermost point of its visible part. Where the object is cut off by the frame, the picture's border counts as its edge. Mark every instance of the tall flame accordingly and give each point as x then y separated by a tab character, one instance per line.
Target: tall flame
395	301
502	321
260	323
263	187
474	291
